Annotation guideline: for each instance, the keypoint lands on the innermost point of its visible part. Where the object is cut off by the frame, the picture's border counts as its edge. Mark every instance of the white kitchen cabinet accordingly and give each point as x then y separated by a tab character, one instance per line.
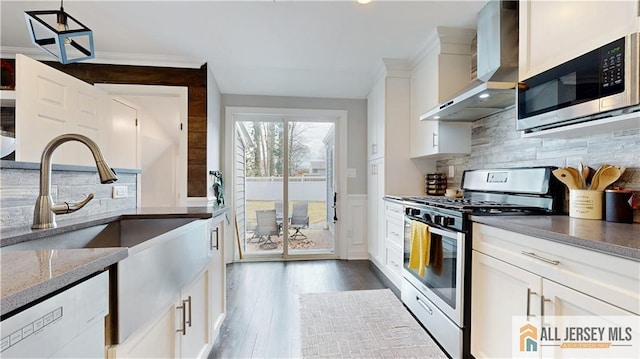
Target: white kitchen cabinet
182	331
499	291
217	276
375	184
445	138
51	103
390	169
192	324
443	71
552	32
518	275
393	242
375	121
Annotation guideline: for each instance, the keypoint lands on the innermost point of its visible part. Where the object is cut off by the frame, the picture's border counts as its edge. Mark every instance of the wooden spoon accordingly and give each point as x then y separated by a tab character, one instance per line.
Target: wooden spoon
577	177
596	177
607	176
584	173
565	176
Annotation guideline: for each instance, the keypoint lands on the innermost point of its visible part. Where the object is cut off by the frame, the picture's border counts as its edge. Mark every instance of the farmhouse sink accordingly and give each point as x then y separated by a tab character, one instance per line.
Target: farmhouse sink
164	255
128	233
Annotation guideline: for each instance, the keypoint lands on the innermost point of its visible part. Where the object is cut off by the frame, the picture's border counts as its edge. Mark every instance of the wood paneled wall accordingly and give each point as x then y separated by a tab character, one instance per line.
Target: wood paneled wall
194	79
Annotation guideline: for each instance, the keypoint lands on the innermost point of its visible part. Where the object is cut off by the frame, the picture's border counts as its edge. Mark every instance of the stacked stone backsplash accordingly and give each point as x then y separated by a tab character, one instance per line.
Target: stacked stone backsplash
19	190
495	143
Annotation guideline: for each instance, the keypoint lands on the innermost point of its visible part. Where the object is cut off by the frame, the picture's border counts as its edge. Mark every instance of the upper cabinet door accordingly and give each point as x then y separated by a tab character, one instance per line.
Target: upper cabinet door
552	32
50	103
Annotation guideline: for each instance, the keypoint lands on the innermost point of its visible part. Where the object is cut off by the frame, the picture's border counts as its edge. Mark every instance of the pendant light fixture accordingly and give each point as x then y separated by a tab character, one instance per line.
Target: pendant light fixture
60	34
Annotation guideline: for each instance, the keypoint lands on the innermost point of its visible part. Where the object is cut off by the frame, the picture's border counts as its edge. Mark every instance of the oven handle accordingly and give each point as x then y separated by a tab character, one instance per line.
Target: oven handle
424	305
436	230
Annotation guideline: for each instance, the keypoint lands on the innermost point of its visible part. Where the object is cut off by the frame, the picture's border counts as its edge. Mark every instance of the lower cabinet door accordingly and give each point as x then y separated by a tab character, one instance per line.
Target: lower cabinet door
560	302
499	291
193	323
155	341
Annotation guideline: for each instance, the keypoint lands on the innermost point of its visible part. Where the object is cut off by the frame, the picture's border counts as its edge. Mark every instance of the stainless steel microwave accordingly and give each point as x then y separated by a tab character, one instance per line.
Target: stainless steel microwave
603	82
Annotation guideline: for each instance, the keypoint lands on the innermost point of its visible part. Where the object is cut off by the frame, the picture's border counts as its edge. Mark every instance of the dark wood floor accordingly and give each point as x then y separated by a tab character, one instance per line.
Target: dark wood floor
263	319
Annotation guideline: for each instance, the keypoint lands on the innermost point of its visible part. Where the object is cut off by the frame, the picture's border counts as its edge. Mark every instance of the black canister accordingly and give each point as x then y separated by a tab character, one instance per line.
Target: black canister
618	205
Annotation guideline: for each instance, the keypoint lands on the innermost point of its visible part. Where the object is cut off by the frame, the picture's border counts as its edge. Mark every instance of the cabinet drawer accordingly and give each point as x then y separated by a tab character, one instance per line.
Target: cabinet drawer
394	231
393	258
393	210
609	278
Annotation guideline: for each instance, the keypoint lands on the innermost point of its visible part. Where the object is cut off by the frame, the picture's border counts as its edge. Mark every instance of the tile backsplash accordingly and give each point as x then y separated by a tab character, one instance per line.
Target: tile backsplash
19	189
495	143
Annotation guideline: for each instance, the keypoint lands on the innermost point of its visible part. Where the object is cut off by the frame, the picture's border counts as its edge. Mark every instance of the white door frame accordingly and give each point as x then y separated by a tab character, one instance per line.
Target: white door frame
231	112
180	92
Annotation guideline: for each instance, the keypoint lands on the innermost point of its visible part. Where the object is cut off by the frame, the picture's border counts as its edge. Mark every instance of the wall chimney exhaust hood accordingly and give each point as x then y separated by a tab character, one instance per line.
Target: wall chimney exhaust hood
495	88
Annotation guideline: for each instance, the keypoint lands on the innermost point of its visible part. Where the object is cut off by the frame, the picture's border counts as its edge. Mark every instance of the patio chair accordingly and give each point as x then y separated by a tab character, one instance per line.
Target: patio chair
299	219
267	226
279	214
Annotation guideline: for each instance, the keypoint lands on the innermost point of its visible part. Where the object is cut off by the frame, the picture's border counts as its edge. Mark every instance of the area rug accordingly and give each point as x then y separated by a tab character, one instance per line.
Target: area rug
361	324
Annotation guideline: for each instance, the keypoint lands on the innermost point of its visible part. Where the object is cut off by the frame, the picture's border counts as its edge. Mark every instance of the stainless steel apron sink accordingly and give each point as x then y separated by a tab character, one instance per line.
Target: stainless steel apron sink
164	255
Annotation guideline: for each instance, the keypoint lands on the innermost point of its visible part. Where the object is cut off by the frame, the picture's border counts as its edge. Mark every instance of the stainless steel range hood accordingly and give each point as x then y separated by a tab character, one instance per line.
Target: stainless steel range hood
495	89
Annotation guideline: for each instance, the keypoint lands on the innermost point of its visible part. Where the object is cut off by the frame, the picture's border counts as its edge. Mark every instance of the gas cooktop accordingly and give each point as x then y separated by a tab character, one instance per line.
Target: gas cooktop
504	190
470	204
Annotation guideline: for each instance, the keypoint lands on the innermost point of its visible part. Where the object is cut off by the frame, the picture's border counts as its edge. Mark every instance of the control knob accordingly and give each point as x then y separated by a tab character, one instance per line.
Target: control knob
443	221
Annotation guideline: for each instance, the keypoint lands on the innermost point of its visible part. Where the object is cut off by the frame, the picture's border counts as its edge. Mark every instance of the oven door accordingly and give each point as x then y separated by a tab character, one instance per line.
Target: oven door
442	280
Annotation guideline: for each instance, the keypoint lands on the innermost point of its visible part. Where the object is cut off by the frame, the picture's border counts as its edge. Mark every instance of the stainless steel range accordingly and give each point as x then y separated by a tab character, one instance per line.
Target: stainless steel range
438	292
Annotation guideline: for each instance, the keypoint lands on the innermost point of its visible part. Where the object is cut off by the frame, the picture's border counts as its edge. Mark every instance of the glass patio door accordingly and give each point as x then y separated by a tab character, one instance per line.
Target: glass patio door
310	187
285	186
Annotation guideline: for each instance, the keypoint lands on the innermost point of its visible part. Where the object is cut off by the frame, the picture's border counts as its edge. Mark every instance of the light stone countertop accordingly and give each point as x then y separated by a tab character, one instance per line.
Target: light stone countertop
620	239
29	275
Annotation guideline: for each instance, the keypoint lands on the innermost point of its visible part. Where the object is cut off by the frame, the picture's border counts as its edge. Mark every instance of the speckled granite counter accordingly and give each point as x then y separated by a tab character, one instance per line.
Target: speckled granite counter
29	275
621	239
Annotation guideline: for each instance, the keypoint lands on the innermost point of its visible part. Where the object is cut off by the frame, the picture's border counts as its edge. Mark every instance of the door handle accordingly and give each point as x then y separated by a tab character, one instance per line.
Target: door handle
335	207
211	245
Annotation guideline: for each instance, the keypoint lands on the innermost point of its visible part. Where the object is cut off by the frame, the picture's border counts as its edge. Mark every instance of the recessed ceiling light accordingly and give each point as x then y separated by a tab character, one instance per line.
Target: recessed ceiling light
363	2
436	117
484	95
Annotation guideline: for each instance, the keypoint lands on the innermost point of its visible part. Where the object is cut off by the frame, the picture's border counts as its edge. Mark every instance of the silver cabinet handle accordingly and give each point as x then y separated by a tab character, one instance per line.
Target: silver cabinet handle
433	139
184	303
211	245
542	301
374	148
424	305
533	255
184	317
529	294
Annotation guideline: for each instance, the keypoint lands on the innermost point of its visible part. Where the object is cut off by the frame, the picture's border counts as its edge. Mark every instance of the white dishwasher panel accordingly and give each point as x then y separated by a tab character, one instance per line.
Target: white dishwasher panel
67	325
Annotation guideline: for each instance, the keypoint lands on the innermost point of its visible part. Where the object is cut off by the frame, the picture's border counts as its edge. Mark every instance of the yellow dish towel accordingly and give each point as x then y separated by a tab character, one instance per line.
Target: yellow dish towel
420	247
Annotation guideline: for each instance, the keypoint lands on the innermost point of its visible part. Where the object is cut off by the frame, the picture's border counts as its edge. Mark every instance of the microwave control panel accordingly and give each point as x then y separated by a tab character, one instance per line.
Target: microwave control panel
612	68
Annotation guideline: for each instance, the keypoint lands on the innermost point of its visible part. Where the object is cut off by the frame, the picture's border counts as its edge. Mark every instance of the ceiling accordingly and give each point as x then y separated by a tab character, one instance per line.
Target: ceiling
278	48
